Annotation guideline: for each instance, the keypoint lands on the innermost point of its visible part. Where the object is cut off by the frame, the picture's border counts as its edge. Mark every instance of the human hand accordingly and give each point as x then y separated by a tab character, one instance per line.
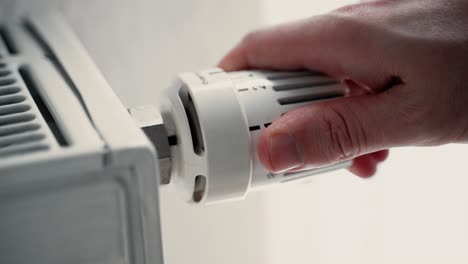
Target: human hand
405	62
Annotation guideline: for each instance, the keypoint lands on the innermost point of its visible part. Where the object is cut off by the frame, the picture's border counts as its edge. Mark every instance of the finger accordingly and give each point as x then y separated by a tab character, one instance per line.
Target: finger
381	155
333	131
340	45
364	166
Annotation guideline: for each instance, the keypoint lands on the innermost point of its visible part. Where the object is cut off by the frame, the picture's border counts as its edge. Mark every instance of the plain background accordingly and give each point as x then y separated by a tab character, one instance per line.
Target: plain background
413	211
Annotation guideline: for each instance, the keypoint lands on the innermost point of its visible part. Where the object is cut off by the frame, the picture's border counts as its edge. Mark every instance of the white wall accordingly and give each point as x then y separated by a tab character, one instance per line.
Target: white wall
415	210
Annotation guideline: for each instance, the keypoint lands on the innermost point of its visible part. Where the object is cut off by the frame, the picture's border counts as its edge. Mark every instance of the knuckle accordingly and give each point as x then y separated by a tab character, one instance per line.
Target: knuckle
424	126
414	115
351	26
342	28
411	115
250	37
345	134
251	43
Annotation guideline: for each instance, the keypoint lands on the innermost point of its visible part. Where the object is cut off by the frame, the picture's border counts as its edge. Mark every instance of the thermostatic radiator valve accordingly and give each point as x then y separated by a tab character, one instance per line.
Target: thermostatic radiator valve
206	133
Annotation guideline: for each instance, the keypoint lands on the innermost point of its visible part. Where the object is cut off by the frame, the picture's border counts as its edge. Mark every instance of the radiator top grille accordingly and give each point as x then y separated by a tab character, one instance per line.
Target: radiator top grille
20	130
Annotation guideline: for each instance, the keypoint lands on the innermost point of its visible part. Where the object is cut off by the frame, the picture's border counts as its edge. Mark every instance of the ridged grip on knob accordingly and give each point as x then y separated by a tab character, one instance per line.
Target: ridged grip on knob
218	118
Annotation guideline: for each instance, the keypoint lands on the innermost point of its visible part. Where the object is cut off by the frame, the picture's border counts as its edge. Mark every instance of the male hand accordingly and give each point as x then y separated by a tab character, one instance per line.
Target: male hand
405	62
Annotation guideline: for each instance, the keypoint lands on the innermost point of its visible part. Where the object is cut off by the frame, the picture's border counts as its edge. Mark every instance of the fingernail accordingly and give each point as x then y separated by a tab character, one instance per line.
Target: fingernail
284	153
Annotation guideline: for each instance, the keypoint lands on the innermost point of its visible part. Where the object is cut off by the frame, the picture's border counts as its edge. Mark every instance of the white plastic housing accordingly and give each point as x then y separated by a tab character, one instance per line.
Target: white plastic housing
218	118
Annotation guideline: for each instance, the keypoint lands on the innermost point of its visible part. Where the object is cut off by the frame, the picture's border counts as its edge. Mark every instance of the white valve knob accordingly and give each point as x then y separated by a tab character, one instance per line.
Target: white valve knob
218	118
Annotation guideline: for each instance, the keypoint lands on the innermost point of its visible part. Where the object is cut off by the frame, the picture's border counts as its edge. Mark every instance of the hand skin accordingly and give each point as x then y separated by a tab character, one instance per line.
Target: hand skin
406	62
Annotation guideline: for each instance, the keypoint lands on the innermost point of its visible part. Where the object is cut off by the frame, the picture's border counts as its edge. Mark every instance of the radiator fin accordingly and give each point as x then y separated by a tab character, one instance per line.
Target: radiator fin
20	131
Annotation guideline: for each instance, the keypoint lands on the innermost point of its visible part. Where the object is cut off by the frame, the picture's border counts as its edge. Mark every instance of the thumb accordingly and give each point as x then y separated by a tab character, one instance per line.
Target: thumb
332	131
